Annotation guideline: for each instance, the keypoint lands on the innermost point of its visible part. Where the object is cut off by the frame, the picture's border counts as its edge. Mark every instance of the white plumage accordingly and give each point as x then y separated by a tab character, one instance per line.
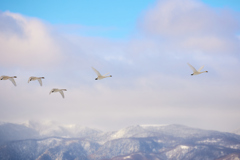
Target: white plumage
99	75
9	78
54	90
36	78
196	72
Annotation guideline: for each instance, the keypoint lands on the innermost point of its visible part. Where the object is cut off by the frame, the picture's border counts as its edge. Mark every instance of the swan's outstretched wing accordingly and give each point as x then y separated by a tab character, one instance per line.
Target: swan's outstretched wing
13	81
106	74
61	92
29	79
98	74
40	81
193	69
200	68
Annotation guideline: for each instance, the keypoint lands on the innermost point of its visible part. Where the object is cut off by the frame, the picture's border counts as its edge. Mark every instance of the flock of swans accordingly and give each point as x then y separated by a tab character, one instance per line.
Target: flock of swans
54	90
99	77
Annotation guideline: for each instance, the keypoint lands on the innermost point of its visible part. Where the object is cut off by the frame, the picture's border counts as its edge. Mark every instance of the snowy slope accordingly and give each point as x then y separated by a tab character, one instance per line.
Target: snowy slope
174	131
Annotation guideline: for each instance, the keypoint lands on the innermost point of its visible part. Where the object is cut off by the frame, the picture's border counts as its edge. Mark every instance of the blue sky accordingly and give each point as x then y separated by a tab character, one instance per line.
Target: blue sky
119	16
231	4
145	45
112	19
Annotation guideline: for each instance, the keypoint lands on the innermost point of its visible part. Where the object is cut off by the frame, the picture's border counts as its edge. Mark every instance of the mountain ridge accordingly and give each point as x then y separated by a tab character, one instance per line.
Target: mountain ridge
135	142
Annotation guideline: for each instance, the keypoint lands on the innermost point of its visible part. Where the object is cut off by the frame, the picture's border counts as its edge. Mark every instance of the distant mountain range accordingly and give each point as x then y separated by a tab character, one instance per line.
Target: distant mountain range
141	142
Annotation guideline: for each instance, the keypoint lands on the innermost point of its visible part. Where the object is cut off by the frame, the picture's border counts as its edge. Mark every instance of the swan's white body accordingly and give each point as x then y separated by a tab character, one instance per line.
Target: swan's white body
196	72
54	90
99	75
9	78
36	78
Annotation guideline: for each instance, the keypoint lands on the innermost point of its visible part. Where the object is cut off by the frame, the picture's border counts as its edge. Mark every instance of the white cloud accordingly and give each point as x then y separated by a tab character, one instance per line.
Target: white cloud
190	25
26	42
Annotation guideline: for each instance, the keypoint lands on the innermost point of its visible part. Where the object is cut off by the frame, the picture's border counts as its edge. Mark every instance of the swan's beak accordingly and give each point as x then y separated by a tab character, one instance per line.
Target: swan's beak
96	78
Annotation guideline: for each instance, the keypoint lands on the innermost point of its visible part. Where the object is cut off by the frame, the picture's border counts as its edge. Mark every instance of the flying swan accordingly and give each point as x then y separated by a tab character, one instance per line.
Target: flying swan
36	78
54	90
99	75
10	78
196	72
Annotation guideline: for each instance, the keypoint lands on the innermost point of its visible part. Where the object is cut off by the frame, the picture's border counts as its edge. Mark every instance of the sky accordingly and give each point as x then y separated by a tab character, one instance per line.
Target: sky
145	46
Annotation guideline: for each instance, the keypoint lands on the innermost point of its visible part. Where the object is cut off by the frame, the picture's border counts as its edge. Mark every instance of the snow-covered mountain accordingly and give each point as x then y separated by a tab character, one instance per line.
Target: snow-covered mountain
139	142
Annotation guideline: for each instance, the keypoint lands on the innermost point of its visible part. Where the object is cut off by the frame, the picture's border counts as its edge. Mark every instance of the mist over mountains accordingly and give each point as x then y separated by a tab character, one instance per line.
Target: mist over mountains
140	142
